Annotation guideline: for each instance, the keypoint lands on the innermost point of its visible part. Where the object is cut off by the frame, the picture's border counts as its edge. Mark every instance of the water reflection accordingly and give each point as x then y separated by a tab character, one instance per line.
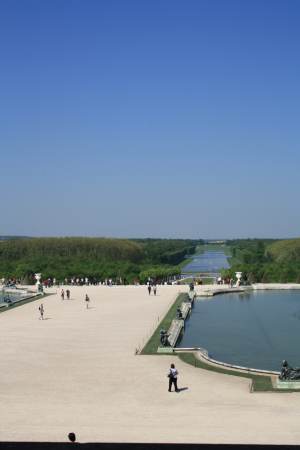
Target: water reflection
244	296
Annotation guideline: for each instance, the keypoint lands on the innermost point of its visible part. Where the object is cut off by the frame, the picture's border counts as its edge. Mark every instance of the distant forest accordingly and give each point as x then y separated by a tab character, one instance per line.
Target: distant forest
265	260
260	260
99	258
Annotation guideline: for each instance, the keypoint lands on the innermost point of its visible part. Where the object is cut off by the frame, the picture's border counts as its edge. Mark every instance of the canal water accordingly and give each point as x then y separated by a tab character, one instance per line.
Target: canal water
254	329
210	261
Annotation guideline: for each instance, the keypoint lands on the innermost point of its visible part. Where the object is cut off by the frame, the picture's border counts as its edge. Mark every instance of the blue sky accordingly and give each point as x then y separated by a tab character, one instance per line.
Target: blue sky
150	118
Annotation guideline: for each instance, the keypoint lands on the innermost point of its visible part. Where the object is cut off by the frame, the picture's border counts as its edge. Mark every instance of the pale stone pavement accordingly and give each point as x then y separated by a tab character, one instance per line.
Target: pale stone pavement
77	371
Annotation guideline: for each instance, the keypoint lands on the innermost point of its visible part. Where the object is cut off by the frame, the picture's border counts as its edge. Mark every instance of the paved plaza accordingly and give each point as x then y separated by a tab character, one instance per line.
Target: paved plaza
77	371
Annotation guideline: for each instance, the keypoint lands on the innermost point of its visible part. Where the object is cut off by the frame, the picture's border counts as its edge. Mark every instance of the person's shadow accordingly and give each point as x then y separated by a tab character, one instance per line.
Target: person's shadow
182	389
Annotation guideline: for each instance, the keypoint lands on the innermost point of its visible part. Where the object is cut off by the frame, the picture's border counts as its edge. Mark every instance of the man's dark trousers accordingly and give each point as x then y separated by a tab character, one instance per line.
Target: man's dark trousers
173	381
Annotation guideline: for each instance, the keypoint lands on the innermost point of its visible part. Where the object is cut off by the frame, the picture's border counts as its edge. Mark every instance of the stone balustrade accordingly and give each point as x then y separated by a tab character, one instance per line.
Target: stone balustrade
185	309
174	331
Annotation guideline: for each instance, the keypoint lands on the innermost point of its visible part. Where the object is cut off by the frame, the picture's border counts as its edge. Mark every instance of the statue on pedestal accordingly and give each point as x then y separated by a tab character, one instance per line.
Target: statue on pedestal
38	284
288	373
164	338
178	314
238	278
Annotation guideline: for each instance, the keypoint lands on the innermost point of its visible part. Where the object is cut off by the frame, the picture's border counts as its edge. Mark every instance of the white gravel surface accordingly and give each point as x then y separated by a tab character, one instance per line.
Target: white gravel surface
77	371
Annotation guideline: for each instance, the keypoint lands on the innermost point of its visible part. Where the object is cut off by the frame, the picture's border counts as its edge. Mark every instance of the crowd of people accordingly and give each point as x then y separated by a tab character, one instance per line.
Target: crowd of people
10	282
228	281
119	281
78	281
86	281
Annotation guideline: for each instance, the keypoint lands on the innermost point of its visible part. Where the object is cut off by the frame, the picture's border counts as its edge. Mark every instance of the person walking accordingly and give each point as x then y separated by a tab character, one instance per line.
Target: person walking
149	288
68	294
154	289
172	375
87	301
41	310
62	294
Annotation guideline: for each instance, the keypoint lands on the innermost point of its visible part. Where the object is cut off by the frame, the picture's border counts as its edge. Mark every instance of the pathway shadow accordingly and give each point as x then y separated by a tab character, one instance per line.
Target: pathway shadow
183	389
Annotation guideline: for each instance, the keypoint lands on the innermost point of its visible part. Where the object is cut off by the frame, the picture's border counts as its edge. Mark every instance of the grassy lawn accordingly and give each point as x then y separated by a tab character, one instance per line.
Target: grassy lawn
154	342
259	382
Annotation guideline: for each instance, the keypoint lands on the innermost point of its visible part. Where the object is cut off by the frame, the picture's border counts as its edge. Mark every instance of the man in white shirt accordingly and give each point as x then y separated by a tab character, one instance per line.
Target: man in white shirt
172	375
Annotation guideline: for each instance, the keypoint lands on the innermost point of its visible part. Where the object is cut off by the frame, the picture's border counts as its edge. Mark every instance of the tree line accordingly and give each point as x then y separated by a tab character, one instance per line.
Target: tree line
265	260
100	258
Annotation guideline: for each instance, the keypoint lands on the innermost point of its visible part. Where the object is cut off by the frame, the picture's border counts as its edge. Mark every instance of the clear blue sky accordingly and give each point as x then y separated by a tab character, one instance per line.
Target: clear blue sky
159	118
